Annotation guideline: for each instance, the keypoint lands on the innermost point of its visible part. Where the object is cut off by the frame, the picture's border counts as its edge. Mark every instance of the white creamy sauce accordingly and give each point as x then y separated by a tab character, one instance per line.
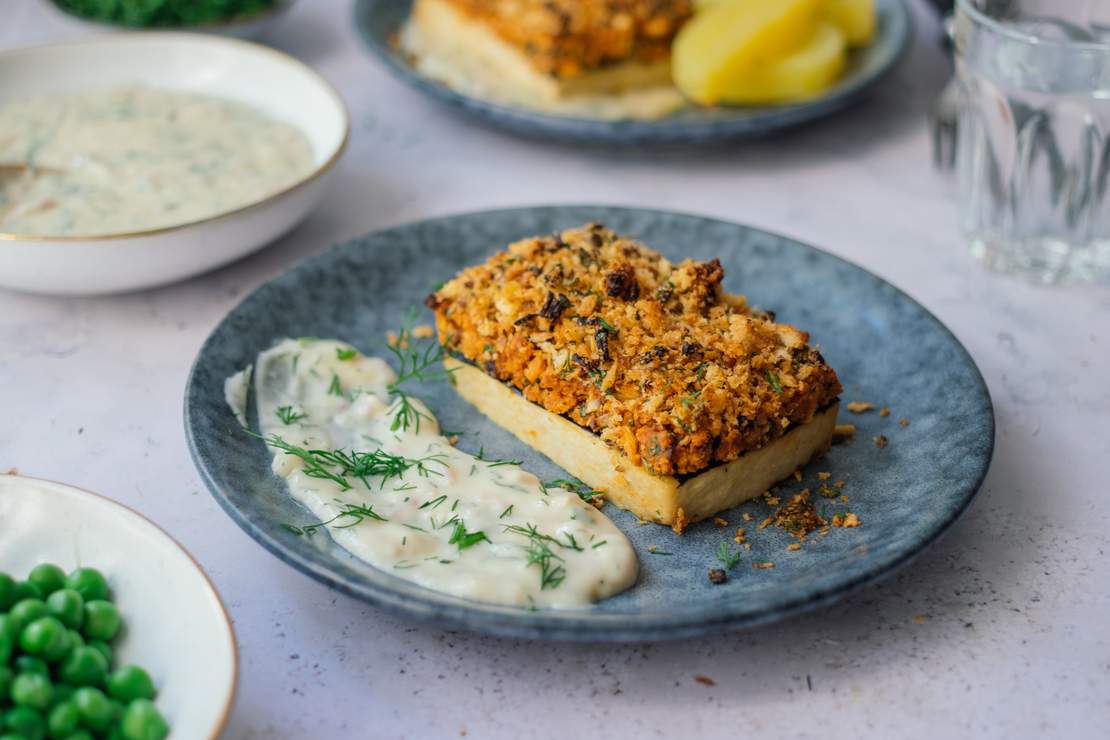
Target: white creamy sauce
471	74
320	395
237	393
128	159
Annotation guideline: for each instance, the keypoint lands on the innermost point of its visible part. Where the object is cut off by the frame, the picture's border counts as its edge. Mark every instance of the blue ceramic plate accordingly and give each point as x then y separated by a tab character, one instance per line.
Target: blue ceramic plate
887	348
379	21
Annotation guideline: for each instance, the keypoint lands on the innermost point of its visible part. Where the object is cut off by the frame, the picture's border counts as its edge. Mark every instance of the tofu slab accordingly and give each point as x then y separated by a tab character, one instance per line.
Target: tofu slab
662	499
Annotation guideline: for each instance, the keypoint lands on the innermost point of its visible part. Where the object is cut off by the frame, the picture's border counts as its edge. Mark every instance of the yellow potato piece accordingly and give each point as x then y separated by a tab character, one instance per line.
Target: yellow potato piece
804	74
732	38
856	18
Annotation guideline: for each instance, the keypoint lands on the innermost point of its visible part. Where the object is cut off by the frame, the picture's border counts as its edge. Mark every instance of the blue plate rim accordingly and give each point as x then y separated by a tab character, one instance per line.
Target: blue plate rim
570	625
633	132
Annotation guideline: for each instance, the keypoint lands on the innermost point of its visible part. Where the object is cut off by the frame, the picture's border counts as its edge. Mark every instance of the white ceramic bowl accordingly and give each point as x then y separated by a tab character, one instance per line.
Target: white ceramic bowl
269	80
255	27
175	625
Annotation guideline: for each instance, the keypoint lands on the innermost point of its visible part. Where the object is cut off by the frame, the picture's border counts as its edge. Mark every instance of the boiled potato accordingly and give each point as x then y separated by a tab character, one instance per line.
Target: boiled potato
732	40
807	72
856	18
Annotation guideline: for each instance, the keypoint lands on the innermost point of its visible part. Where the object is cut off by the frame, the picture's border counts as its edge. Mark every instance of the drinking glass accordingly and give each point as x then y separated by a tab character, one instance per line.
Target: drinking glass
1034	135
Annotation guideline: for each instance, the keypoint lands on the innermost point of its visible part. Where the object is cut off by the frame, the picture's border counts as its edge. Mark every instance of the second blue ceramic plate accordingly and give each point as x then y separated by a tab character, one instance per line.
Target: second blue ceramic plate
379	21
887	349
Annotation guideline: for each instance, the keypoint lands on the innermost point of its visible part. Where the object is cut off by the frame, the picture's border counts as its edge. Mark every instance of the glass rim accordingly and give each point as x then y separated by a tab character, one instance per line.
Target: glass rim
981	18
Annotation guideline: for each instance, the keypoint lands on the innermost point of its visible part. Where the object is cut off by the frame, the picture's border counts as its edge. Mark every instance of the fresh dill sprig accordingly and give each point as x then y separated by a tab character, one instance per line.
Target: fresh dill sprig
288	415
335	389
577	487
357	514
464	539
416	364
339	465
530	531
539	553
506	512
493	463
727	557
407	414
344	354
434	502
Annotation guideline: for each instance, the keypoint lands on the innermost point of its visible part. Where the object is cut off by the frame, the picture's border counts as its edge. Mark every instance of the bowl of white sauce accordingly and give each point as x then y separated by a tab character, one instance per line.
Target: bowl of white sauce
134	160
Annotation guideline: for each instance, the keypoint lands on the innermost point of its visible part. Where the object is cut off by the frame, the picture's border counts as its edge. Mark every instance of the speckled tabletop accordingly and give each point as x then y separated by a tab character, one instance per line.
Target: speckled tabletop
998	631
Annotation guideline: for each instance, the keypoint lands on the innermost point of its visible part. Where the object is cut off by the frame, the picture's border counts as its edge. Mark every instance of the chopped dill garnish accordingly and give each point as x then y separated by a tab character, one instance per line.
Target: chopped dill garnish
727	557
773	379
419	364
577	487
345	354
492	462
506	512
335	389
598	544
434	502
656	551
338	465
287	415
357	514
539	553
406	414
464	539
530	531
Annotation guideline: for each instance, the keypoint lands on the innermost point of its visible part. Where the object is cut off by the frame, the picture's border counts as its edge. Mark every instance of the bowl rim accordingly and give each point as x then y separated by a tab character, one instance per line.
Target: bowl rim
229	702
189	37
232	24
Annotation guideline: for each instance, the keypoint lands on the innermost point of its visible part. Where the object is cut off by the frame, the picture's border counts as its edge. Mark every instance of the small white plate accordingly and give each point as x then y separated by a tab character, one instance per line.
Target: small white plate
270	81
175	625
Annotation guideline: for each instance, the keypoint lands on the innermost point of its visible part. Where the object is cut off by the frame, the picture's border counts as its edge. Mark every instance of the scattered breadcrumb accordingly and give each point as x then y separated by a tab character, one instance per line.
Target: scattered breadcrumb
860	407
772	500
747	517
798	475
794	546
741	534
843	499
799	517
720	521
717	576
921	618
903	422
881	441
423	331
843	432
827	492
823	475
705	680
763	565
453	439
747	545
766	523
838	484
884	411
851	520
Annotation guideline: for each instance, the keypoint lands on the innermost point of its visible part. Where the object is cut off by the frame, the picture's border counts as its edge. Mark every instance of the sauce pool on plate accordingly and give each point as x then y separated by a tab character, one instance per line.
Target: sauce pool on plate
127	159
373	468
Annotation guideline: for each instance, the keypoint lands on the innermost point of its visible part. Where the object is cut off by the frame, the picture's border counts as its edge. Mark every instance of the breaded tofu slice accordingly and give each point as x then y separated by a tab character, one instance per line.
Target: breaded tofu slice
553	49
642	378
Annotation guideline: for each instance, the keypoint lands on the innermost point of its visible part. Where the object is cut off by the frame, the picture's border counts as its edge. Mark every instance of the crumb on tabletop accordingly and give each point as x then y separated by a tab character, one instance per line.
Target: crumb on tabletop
884	411
763	565
903	422
881	441
859	407
717	576
705	680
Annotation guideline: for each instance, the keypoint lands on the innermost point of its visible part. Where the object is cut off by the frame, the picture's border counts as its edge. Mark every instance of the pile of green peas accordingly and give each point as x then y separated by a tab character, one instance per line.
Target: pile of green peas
55	657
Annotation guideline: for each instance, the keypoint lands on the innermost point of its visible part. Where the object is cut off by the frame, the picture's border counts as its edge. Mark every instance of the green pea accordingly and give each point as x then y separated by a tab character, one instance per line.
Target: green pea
5	648
26	611
102	620
68	606
79	735
45	637
96	711
31	664
7	675
10	627
7	591
85	666
8	736
89	582
63	720
63	692
25	723
28	590
31	690
76	639
103	648
130	683
143	721
48	577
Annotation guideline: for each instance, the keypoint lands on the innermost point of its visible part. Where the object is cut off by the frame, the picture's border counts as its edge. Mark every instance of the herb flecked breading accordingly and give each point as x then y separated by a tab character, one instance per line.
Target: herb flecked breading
653	357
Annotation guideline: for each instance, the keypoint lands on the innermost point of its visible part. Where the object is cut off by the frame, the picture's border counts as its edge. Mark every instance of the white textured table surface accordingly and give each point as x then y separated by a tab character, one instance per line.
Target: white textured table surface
1001	630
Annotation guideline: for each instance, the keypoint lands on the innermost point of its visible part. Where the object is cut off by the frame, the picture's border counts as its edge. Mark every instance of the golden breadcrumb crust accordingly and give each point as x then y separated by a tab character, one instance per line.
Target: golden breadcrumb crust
565	38
653	357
